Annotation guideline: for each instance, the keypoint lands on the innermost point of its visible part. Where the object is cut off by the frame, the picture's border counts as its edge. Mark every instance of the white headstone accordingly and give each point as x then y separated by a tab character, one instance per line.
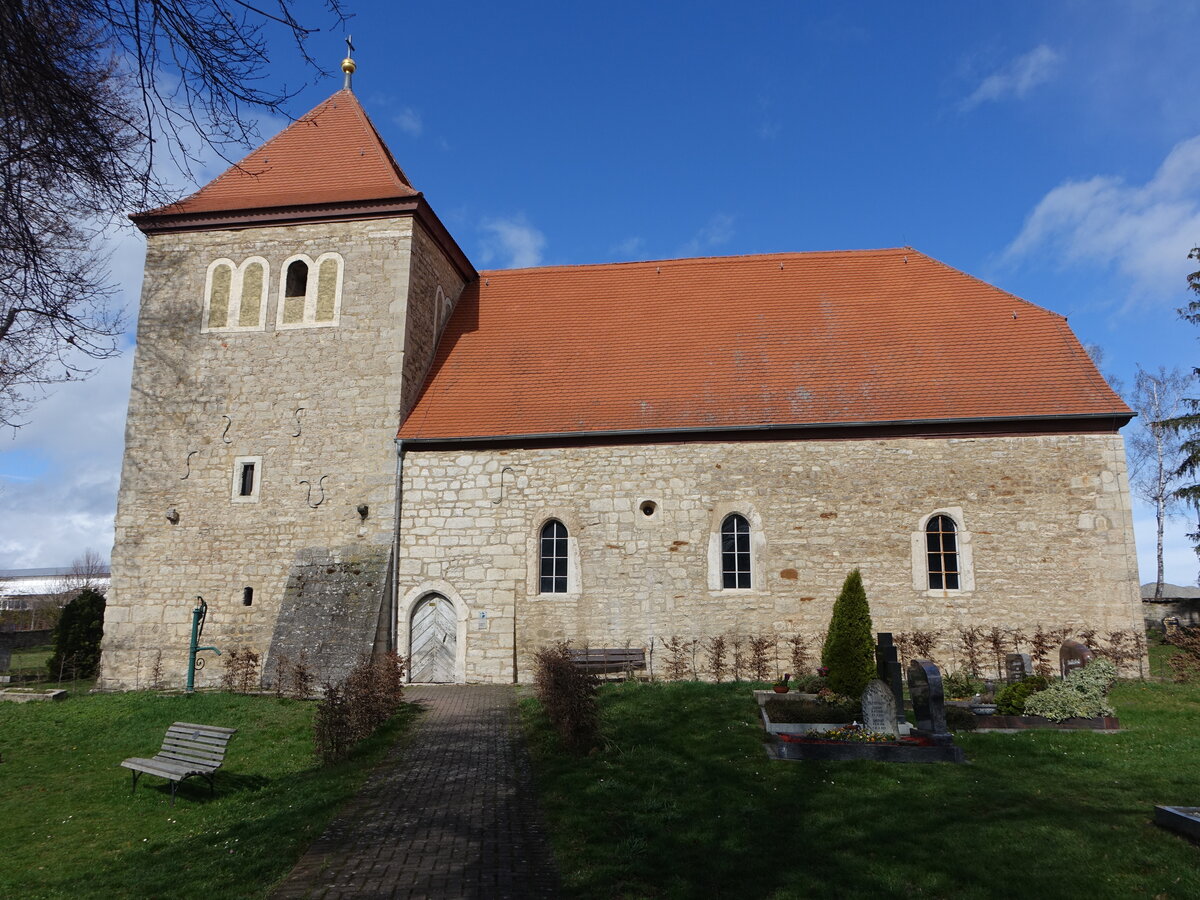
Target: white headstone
879	708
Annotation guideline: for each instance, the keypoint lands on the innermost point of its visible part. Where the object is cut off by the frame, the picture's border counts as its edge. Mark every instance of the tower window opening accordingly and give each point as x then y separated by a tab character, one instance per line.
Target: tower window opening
246	485
247	596
297	279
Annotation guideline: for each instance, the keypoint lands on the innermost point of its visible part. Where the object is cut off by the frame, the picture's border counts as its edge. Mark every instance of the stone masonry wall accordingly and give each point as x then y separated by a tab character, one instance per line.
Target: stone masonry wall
1046	518
320	406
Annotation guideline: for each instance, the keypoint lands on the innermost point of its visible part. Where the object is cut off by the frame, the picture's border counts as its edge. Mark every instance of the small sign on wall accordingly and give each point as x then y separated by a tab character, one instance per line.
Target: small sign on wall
481	623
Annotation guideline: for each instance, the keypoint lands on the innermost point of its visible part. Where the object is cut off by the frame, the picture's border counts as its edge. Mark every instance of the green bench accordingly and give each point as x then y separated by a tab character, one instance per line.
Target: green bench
187	750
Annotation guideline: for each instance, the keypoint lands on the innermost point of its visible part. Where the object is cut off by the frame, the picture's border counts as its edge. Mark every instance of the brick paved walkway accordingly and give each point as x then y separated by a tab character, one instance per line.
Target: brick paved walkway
449	814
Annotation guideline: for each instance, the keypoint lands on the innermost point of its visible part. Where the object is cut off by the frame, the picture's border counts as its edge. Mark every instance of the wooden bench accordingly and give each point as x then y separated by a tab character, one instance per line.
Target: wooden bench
609	660
187	750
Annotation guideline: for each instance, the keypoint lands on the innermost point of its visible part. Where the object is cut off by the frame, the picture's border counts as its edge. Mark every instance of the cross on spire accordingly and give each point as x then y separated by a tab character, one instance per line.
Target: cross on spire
348	65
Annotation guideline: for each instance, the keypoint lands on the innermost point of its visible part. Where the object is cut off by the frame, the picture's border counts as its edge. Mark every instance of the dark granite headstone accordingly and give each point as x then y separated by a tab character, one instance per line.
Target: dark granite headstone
1073	655
889	671
879	708
1017	667
929	702
5	659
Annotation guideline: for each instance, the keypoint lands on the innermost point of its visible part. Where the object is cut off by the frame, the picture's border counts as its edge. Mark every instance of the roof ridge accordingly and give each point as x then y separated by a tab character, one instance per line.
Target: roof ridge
733	257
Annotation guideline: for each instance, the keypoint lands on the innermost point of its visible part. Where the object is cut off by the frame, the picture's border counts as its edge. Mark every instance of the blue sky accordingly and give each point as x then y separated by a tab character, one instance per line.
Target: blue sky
1050	148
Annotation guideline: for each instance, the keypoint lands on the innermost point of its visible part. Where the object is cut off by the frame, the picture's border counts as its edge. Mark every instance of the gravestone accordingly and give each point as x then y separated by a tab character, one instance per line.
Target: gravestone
889	671
1017	667
5	659
929	701
1073	655
879	708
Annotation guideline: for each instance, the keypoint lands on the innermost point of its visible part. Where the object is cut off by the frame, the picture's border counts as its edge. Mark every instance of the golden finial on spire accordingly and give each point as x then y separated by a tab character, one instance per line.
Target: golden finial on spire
348	65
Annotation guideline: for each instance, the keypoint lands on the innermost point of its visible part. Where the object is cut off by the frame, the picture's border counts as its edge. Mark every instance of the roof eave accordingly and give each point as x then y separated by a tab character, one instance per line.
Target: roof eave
1115	421
155	222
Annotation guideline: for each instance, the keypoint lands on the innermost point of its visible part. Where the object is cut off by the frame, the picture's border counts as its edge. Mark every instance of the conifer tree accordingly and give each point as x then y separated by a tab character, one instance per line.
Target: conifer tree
849	649
77	637
1189	424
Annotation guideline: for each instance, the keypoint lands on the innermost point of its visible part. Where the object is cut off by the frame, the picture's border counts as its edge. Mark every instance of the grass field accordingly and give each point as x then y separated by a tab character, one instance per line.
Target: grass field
682	802
69	827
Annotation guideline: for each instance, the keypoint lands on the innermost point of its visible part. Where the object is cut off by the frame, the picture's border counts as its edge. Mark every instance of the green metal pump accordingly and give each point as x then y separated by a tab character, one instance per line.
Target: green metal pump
199	614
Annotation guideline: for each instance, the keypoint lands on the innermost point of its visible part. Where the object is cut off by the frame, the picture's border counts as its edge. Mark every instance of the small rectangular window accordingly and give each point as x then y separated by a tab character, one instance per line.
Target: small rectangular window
246	488
247	479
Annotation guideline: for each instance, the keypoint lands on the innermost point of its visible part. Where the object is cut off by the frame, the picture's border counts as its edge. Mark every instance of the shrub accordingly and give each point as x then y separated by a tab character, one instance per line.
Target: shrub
717	664
241	672
1185	664
793	711
1010	701
807	684
569	698
351	711
849	649
1083	693
762	647
958	685
77	637
960	719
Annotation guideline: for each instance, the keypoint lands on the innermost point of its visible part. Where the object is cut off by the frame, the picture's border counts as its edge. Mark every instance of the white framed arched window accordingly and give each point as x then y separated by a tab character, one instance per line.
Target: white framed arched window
736	564
310	291
553	558
235	296
942	559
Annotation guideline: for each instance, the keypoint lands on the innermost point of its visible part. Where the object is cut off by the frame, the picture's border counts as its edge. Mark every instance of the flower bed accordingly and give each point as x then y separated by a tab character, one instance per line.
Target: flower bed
852	742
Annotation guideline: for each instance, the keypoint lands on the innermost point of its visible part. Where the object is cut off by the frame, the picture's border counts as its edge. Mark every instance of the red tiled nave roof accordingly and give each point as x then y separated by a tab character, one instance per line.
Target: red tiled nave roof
839	338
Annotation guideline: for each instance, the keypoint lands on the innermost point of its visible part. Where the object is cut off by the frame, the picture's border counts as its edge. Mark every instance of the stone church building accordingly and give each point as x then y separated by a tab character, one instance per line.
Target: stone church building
347	439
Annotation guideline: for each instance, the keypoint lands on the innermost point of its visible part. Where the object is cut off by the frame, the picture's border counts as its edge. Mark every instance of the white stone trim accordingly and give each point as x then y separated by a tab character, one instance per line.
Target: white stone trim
236	282
408	605
533	549
310	292
758	547
238	462
966	557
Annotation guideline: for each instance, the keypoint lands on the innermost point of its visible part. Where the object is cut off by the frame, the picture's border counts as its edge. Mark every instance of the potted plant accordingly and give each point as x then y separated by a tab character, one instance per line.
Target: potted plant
781	686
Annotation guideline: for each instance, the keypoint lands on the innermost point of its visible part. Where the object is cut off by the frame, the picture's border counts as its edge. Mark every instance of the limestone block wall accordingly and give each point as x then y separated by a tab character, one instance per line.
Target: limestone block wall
1045	519
315	407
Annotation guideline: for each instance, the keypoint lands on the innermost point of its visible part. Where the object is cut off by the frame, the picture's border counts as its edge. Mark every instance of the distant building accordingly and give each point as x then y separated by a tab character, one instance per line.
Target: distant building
22	589
1181	603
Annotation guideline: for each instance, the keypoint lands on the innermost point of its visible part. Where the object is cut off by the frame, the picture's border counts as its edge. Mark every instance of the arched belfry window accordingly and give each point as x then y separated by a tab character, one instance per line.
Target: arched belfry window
311	291
234	295
295	290
941	553
735	552
553	556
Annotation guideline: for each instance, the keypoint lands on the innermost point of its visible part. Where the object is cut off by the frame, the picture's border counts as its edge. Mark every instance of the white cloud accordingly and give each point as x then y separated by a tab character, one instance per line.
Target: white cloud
409	121
629	248
65	502
1017	78
512	241
1144	231
715	232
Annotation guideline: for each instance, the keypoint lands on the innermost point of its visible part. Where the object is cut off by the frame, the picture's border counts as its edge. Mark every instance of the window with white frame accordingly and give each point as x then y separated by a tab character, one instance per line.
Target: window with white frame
942	554
247	479
235	296
310	292
553	558
735	552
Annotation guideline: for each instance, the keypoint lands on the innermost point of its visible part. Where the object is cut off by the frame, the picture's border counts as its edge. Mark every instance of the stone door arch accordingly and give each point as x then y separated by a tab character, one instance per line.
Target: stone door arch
433	639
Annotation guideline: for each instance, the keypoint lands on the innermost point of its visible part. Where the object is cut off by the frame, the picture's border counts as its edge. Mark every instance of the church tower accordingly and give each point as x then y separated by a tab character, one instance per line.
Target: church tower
289	313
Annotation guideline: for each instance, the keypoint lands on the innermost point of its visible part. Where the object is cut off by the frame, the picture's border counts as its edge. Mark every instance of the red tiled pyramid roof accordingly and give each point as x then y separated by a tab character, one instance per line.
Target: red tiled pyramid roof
842	338
330	155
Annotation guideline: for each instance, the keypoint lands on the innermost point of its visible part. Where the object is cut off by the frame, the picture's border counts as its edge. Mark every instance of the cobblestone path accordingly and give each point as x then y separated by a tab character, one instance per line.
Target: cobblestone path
450	813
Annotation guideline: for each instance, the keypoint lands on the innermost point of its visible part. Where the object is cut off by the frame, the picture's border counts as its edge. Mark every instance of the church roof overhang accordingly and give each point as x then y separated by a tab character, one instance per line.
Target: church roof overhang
154	223
998	426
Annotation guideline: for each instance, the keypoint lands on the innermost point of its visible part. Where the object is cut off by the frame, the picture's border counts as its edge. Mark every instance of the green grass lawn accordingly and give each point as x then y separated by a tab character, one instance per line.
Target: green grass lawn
69	827
682	802
31	657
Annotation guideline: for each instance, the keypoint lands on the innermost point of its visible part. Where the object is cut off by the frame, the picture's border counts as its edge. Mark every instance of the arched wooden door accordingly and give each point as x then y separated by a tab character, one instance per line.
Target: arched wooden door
433	640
